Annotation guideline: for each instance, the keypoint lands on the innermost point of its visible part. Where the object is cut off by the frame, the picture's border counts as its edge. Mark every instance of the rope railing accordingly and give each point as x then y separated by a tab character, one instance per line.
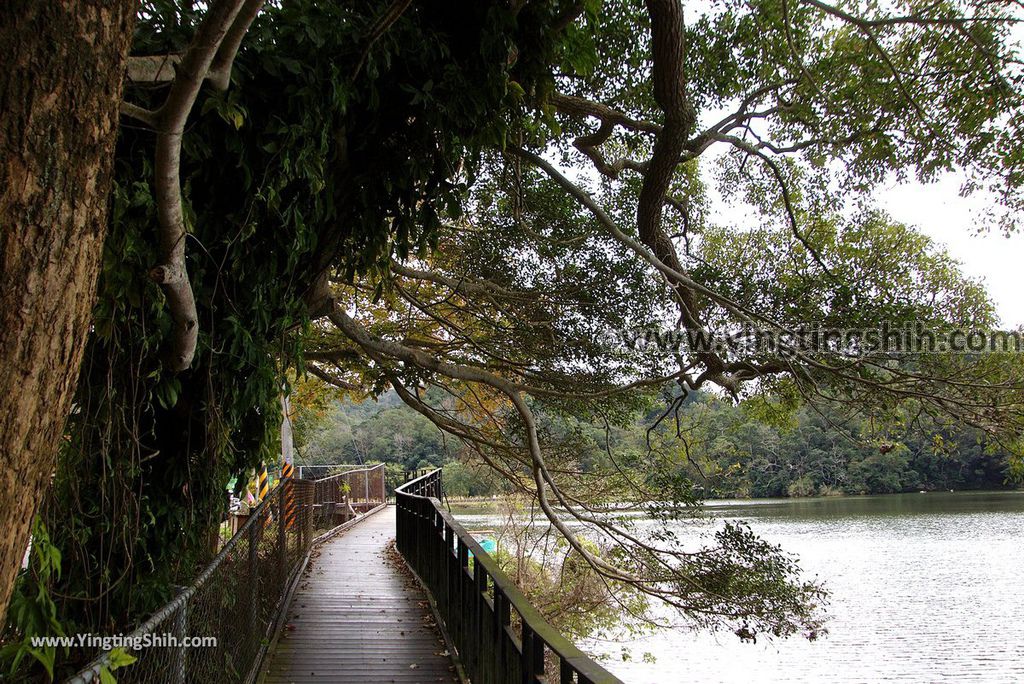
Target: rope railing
479	605
217	629
322	470
340	497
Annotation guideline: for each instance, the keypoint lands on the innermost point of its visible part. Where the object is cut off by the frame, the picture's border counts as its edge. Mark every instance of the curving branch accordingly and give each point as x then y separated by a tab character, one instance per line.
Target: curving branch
334	380
609	119
378	348
209	57
661	571
589	144
462	285
579	107
142	114
787	199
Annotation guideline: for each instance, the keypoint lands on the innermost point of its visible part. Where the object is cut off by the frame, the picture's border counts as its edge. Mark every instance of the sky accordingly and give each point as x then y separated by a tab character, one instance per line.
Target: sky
939	211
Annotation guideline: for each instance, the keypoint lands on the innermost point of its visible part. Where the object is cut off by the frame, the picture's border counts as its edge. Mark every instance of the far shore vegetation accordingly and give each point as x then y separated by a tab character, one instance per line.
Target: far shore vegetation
755	449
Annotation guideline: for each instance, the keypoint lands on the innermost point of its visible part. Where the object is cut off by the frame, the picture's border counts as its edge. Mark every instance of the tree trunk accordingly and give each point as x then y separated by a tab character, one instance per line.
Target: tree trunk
61	71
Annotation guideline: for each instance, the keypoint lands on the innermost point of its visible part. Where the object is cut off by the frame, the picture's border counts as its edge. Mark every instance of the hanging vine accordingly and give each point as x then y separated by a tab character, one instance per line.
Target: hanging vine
342	141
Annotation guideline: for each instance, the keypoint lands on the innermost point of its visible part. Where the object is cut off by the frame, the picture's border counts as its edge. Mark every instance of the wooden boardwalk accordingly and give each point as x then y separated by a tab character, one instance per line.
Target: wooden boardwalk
357	617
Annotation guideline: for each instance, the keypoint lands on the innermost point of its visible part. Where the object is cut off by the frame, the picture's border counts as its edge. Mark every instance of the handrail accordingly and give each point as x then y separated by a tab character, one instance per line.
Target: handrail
351	470
240	595
333	468
347	493
475	598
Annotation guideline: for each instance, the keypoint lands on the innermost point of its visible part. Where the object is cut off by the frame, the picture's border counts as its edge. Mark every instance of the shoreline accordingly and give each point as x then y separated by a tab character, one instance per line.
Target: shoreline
474	502
495	499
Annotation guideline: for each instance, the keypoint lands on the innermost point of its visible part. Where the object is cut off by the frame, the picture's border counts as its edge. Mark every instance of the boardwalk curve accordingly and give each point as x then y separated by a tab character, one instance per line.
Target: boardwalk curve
356	617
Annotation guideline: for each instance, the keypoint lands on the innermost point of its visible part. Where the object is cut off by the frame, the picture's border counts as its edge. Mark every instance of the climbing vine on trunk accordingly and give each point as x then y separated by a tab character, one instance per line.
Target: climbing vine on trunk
345	138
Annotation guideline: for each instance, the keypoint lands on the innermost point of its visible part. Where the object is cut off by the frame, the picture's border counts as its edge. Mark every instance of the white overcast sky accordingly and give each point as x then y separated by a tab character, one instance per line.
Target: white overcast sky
937	210
940	212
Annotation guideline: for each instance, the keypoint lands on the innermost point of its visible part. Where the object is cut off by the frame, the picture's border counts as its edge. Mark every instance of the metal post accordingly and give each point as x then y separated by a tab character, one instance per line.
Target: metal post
253	572
180	657
282	533
299	502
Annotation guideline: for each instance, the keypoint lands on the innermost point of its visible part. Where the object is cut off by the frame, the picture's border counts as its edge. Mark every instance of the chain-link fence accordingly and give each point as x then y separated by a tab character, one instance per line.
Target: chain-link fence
217	629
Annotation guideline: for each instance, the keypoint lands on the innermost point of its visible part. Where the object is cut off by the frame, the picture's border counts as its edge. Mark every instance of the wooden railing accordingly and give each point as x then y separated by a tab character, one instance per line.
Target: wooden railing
478	604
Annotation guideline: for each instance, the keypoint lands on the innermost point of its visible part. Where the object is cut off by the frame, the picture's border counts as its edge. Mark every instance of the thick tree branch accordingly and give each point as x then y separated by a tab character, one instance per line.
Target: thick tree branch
669	81
462	285
172	274
334	381
580	107
146	116
220	69
609	118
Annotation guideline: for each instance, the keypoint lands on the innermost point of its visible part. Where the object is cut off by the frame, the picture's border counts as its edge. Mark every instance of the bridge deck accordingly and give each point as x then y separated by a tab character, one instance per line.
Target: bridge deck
356	617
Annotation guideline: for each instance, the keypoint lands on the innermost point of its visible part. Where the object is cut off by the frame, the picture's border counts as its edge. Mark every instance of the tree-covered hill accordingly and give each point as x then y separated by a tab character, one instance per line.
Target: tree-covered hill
382	430
727	450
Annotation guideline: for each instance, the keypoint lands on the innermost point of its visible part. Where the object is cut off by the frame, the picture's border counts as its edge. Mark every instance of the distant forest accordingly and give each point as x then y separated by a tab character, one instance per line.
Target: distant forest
728	450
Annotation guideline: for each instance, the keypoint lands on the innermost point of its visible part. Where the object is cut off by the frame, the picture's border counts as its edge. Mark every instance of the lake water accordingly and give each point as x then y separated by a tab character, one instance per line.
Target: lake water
925	588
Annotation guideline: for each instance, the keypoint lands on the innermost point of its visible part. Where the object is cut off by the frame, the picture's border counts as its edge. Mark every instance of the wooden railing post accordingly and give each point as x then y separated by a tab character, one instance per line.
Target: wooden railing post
480	647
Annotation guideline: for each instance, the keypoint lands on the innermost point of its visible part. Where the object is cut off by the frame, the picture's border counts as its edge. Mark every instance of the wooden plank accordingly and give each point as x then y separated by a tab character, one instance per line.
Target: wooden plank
356	618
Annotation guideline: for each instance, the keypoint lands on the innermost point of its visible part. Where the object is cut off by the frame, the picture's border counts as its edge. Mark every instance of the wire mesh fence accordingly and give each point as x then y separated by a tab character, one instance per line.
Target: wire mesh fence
339	498
218	628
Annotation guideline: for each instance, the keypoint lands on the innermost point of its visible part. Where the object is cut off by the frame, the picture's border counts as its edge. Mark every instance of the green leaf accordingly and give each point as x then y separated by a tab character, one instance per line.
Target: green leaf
46	656
120	658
